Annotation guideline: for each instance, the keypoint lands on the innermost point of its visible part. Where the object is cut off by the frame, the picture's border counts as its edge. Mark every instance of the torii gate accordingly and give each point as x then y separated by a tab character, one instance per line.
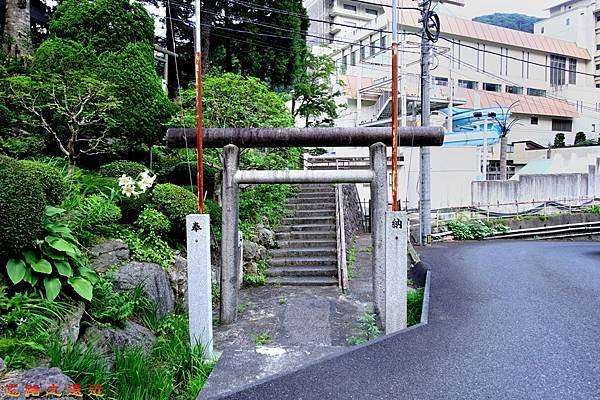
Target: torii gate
388	228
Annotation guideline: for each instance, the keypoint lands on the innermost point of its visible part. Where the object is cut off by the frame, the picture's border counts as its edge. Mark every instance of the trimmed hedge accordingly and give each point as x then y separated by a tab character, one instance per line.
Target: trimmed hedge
22	207
175	203
51	180
122	167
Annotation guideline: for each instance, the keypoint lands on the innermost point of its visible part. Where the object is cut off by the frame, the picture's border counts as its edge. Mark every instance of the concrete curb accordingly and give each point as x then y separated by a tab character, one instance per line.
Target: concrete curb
336	354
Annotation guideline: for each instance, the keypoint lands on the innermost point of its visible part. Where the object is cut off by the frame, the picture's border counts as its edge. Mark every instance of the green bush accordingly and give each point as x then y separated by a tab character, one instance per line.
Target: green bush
97	215
152	221
110	306
20	146
213	209
149	248
474	230
51	180
117	168
176	203
22	204
414	307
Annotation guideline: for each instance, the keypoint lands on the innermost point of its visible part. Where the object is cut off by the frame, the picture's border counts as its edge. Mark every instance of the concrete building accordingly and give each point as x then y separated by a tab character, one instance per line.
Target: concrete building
551	79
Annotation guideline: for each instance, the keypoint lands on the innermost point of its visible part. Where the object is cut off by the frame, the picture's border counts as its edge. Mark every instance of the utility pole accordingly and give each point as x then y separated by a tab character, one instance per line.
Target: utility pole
395	105
425	198
485	146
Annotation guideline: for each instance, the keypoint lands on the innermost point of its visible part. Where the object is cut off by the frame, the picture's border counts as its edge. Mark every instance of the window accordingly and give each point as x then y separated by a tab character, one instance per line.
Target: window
374	47
371	11
598	85
467	84
534	120
543	30
491	87
572	71
536	92
439	81
598	47
345	61
568	22
598	17
593	127
510	148
558	65
562	125
597	67
363	52
514	89
353	57
349	7
383	42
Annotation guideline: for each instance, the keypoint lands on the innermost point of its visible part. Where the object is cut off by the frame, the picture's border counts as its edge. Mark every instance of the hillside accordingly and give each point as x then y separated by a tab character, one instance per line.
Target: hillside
519	22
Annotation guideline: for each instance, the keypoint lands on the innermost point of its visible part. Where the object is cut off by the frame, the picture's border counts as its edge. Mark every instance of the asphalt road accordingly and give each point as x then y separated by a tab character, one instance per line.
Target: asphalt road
507	320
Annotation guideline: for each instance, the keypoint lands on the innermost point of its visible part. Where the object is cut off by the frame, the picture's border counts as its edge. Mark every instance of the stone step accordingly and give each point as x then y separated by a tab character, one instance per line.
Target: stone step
302	281
315	186
299	213
299	260
308	220
311	206
305	236
321	195
304	252
306	244
330	192
303	270
310	227
313	200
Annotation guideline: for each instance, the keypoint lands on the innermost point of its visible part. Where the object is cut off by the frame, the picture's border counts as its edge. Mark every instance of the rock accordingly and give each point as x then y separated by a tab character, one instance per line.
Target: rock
253	251
48	379
154	281
264	236
250	267
69	331
109	253
2	365
105	340
178	279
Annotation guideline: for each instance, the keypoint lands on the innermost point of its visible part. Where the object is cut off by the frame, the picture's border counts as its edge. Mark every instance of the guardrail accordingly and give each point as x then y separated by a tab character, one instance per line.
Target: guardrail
552	232
341	235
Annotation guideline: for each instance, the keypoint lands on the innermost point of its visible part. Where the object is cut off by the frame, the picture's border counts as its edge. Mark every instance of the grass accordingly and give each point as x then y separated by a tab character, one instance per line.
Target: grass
367	329
351	261
414	306
172	369
262	339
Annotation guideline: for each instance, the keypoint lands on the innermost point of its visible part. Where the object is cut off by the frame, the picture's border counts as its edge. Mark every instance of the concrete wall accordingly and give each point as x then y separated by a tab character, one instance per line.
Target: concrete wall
532	190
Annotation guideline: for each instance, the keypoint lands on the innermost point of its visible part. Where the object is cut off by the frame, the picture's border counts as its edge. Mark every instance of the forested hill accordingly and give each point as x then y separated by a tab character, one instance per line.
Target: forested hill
519	22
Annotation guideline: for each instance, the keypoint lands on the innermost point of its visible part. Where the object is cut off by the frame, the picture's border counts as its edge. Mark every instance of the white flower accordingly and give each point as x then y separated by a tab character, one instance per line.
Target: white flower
129	190
147	181
125	180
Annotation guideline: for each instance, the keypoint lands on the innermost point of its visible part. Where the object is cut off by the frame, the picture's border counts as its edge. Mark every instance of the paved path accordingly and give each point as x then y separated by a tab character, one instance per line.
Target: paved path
508	320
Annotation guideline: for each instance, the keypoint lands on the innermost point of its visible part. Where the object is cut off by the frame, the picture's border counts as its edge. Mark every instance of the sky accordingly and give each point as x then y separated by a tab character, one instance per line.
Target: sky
474	8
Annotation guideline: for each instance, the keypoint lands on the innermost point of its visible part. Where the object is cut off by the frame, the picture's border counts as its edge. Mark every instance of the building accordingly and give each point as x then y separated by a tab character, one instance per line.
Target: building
578	21
549	80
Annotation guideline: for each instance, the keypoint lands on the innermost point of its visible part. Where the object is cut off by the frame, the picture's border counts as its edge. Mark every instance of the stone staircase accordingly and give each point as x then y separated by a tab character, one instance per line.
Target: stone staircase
307	253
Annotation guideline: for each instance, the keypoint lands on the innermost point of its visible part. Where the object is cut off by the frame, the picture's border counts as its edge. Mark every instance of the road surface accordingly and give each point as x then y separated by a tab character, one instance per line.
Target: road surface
507	320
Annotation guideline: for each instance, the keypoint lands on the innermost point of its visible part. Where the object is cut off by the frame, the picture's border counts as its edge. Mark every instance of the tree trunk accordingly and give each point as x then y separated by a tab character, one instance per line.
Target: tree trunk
208	17
503	151
170	37
17	28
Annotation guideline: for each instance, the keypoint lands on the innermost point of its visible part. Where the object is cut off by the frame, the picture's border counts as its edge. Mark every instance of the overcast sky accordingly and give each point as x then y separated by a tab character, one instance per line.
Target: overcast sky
474	8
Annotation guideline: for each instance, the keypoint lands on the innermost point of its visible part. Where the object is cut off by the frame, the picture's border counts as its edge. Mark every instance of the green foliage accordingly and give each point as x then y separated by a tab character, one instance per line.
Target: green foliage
152	221
259	278
50	178
111	41
20	146
112	307
149	248
26	323
213	209
519	22
580	138
259	201
122	167
85	365
593	210
351	261
96	215
559	140
367	330
313	94
56	260
414	306
250	104
105	25
175	203
22	203
474	230
262	339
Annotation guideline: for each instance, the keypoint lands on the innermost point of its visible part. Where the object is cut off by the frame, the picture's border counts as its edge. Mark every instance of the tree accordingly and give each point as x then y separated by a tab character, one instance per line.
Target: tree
505	127
519	22
17	28
313	96
112	40
559	140
73	110
580	138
